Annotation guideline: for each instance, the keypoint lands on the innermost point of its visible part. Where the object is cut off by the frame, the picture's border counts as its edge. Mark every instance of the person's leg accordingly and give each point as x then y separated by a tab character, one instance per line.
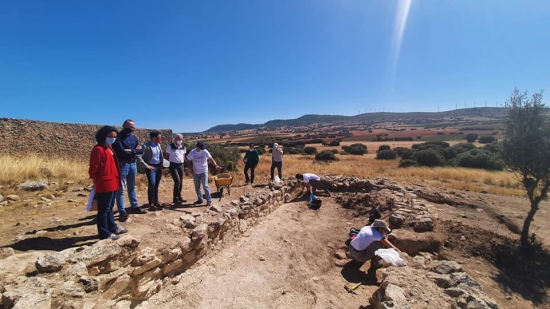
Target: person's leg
177	182
111	225
246	168
158	176
359	256
131	181
204	180
314	185
181	173
252	173
272	171
197	182
151	176
280	169
104	201
123	171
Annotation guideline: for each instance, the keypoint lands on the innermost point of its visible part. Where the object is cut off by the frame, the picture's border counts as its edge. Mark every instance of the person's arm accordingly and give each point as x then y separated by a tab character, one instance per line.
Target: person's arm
257	157
139	158
95	162
388	244
245	159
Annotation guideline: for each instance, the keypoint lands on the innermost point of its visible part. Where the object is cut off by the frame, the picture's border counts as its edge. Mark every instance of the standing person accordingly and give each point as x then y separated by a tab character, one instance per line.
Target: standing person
104	173
251	159
277	161
126	148
176	155
199	158
150	163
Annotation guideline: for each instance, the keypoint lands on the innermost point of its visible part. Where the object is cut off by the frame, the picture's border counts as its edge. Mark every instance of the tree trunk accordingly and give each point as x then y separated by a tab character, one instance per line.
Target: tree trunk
524	239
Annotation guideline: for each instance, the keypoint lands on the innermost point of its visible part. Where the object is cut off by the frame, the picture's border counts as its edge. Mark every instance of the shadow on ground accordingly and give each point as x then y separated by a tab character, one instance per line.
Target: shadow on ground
52	244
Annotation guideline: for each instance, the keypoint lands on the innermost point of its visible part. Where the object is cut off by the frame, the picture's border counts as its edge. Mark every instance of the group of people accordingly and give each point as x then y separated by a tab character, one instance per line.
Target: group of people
118	156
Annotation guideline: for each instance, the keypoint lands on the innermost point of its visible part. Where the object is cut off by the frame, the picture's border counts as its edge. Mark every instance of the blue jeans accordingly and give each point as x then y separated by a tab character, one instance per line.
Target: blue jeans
202	178
153	181
128	172
105	218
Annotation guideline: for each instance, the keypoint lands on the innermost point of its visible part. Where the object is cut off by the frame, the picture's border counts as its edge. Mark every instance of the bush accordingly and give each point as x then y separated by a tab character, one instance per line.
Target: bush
294	150
384	147
407	163
399	150
356	149
477	158
230	166
326	155
334	143
310	150
486	139
429	157
386	154
494	148
472	137
452	152
261	150
224	155
335	151
406	154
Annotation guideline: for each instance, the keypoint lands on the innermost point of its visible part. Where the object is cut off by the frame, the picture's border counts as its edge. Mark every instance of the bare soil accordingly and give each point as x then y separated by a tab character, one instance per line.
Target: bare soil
287	260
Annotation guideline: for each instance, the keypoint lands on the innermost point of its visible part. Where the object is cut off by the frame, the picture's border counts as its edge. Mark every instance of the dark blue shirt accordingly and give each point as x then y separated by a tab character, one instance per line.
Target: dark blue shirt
126	141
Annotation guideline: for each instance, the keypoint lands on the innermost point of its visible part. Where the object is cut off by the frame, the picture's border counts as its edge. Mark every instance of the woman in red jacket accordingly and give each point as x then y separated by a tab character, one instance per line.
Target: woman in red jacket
104	173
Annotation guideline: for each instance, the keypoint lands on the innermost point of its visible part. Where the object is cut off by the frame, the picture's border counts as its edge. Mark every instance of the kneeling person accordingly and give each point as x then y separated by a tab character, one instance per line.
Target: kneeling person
312	182
369	239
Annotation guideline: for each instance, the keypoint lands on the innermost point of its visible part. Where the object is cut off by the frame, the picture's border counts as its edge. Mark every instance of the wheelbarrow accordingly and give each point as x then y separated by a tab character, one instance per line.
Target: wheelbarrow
223	181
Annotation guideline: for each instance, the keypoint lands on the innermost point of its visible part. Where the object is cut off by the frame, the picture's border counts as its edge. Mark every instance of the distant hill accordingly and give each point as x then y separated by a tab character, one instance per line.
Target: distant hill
491	112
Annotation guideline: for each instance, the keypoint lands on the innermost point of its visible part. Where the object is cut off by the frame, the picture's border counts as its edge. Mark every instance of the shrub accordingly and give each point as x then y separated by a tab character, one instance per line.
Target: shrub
334	143
384	147
407	163
399	150
477	158
429	157
407	154
326	155
486	139
261	150
310	150
356	149
224	155
230	166
294	150
452	152
386	154
494	147
472	137
335	151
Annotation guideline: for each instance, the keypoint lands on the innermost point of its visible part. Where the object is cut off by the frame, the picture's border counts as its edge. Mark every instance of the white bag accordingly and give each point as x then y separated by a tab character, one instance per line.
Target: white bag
390	257
277	179
91	201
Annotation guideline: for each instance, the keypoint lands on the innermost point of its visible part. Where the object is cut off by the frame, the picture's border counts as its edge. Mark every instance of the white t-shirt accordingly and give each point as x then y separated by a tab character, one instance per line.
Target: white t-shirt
366	236
200	160
176	155
308	177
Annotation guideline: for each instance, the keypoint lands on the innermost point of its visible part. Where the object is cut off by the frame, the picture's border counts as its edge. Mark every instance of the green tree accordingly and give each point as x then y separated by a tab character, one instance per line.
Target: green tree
526	147
472	137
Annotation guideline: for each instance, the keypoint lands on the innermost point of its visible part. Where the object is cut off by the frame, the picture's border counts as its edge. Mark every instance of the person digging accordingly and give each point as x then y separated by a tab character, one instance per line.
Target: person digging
369	239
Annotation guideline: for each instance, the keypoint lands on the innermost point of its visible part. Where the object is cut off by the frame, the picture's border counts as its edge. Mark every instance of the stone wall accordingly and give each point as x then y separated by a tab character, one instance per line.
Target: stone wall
21	137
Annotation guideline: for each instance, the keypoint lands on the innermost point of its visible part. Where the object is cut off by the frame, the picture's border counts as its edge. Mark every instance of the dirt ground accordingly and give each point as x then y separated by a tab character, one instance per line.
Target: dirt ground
287	260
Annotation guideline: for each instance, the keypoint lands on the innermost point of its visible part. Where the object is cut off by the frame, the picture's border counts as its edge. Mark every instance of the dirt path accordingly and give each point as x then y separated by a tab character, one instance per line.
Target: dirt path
285	261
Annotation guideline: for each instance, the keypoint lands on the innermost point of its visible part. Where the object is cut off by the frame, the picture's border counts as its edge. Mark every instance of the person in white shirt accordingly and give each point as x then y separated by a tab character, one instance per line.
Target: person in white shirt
199	158
312	182
176	155
276	161
369	239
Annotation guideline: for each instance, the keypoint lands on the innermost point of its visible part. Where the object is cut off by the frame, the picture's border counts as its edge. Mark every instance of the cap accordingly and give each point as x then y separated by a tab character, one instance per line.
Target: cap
251	145
275	145
200	145
380	224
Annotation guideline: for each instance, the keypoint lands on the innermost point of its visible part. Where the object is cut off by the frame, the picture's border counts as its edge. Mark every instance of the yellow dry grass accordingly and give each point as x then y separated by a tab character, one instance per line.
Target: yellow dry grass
15	170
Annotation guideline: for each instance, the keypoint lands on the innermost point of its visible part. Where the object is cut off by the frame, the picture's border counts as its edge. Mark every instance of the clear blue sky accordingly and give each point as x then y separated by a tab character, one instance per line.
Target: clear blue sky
190	65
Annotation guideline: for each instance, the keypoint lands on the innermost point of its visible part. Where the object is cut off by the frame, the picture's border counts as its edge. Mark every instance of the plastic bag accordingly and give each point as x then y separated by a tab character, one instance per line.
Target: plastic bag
390	257
92	202
277	179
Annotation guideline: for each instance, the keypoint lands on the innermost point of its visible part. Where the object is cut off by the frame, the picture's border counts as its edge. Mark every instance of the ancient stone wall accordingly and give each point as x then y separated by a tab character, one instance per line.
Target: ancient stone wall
22	137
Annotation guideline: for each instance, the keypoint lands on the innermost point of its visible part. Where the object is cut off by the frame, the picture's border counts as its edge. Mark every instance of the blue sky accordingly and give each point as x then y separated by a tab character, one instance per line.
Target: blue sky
190	65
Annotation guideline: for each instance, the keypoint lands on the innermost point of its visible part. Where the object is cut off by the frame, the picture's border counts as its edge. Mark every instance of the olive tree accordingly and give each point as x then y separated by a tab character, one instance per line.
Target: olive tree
526	149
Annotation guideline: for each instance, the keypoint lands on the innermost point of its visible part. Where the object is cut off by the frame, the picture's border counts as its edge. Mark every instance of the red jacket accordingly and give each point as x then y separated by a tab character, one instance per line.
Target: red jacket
104	169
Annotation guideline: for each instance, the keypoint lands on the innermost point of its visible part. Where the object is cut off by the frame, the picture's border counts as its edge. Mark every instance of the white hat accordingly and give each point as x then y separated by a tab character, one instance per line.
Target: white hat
275	145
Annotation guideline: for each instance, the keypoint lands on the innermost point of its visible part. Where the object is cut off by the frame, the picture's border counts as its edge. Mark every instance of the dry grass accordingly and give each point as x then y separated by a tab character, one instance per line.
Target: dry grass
501	183
15	170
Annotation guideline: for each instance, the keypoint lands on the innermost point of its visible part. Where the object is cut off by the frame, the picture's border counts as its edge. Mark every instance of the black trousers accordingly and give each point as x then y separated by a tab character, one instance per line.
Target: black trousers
279	166
251	168
176	170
